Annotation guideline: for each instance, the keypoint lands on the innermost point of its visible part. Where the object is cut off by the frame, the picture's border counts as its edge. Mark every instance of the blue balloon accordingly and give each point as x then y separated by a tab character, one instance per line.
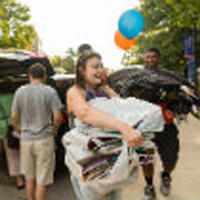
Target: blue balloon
130	24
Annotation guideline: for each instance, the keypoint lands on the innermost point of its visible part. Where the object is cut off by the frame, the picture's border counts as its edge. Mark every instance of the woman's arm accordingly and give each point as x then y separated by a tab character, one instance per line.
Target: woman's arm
79	106
109	91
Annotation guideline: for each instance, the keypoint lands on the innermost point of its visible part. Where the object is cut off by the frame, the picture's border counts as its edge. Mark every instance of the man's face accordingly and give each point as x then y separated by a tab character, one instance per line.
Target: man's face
151	60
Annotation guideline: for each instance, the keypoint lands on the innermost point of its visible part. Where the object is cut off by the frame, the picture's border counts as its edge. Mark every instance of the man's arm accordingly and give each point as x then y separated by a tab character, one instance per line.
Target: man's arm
56	107
15	122
57	118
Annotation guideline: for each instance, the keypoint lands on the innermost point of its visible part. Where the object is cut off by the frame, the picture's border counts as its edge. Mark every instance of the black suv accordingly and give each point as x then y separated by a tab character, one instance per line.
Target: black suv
14	65
13	73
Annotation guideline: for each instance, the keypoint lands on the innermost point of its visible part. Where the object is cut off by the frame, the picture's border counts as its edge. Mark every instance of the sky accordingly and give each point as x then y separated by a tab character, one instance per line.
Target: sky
62	24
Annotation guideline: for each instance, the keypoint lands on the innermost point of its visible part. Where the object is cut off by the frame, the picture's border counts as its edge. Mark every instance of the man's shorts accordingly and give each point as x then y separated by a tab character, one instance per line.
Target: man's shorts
167	143
38	160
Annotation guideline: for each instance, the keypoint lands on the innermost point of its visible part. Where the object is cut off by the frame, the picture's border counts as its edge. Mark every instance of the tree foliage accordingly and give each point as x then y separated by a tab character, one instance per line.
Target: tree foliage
166	23
56	61
14	27
67	61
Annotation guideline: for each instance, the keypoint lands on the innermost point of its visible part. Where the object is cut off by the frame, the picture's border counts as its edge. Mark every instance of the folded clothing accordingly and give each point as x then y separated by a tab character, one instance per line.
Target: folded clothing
145	116
97	165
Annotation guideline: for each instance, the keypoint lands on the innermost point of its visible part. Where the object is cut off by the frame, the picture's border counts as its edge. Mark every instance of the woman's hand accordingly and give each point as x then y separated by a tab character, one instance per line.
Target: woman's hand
132	136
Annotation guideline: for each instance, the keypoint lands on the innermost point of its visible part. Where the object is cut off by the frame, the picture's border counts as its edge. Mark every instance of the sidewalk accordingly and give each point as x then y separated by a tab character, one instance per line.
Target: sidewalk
185	184
186	177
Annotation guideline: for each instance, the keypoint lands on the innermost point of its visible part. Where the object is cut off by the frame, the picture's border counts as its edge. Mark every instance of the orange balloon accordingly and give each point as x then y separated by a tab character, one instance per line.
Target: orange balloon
123	42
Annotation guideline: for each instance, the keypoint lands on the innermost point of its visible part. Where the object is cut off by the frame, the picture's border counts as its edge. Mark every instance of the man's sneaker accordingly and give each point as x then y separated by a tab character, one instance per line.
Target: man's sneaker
149	193
165	185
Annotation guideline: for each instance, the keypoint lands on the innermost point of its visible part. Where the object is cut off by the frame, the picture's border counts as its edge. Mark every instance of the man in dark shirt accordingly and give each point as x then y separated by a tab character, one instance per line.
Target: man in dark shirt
167	141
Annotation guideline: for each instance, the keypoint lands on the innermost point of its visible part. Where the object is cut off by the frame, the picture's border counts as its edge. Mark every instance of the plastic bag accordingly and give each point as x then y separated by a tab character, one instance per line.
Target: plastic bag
124	171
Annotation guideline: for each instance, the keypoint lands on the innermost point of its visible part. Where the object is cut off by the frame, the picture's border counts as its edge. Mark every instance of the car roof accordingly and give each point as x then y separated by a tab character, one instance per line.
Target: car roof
16	62
63	77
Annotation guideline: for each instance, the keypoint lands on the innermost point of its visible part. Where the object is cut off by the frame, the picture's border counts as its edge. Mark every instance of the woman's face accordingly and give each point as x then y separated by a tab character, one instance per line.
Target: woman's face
93	72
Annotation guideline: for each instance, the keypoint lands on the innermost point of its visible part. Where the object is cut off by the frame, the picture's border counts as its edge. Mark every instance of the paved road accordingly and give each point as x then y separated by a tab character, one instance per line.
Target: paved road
186	177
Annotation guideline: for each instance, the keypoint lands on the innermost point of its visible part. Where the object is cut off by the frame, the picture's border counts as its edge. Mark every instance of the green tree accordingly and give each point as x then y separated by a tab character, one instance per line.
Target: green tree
67	62
56	61
166	23
15	30
2	10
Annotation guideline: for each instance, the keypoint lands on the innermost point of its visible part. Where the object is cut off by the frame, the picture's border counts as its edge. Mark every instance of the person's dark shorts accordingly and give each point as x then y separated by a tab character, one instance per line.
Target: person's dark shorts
167	143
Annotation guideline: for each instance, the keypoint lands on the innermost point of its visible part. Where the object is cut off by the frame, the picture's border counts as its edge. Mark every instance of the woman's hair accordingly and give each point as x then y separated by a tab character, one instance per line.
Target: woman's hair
81	65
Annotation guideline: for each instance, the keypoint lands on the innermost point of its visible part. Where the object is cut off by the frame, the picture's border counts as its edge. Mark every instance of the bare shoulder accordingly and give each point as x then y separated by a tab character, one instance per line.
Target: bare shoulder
74	90
76	100
75	93
71	90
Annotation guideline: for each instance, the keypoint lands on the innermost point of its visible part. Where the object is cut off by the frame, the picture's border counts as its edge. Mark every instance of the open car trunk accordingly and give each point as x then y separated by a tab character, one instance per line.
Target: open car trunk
14	66
13	73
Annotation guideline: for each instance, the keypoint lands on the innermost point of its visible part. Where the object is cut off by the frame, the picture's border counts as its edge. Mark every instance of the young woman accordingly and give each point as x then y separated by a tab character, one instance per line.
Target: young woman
89	84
